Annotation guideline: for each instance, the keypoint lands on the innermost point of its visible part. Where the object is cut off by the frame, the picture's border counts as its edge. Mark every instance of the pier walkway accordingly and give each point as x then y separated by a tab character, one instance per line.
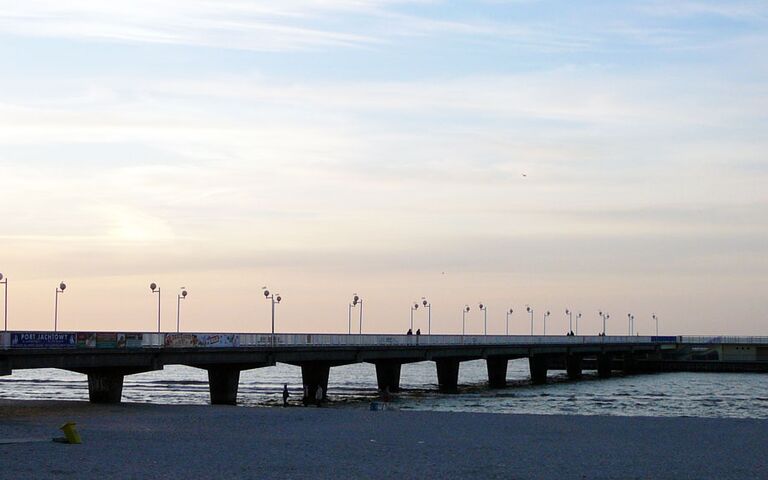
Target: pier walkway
106	357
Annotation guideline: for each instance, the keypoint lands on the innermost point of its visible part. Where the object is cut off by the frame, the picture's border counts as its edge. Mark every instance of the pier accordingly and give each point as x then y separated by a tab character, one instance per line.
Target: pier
107	357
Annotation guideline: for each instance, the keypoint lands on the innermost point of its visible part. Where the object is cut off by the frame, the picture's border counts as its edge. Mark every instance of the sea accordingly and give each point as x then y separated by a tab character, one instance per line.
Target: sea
709	395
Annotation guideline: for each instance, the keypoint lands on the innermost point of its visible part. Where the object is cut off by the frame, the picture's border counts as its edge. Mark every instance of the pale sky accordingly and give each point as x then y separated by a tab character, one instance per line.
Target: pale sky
331	147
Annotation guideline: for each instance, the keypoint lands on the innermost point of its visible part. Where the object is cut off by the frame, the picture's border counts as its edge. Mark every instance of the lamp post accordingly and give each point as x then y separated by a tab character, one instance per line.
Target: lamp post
356	300
530	310
428	306
414	307
5	303
275	298
60	289
181	296
605	317
546	314
570	319
630	321
578	316
510	312
464	312
155	289
656	319
485	318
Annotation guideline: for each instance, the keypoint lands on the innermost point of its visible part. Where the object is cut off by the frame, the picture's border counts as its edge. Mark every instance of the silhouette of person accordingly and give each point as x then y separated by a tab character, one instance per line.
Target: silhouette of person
319	395
409	332
418	331
285	394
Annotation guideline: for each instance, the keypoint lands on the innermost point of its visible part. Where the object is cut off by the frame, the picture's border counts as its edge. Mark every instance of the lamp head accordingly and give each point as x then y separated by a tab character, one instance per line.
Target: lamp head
424	302
62	286
567	311
415	306
278	298
481	306
511	311
1	276
266	293
548	313
183	294
466	308
355	299
528	309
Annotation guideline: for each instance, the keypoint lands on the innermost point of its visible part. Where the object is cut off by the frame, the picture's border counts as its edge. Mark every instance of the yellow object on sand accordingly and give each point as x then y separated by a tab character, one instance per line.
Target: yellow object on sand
70	433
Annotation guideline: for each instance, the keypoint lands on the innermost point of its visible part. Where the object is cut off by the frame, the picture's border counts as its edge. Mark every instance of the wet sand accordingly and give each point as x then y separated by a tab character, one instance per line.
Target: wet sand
166	441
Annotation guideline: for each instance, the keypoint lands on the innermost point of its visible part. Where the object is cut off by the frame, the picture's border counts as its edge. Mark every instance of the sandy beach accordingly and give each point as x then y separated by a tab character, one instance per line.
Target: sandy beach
163	441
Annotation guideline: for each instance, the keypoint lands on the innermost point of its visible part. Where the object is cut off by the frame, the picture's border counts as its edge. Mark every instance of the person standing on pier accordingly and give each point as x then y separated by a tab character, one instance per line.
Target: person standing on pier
319	395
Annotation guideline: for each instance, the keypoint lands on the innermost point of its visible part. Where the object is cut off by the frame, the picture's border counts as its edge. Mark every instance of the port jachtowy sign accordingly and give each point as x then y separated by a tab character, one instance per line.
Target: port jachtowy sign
43	340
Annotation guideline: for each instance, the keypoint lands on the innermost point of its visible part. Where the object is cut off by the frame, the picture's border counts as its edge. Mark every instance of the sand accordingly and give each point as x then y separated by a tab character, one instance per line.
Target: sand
187	442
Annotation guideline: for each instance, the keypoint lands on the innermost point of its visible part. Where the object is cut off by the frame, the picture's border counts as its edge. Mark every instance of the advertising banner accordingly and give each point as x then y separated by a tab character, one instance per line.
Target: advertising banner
196	340
109	340
43	340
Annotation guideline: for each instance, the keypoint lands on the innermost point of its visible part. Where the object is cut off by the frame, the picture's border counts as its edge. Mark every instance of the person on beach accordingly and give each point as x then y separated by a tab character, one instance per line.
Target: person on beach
319	395
285	394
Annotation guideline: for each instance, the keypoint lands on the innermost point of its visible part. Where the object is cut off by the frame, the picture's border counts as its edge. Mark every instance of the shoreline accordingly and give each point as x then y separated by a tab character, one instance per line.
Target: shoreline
135	440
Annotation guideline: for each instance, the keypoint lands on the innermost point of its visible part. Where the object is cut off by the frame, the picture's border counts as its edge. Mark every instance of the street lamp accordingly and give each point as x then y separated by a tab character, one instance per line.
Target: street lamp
414	307
630	321
428	306
5	303
155	289
605	317
530	310
510	312
570	319
485	318
578	316
60	289
546	314
181	296
656	319
275	298
464	312
356	300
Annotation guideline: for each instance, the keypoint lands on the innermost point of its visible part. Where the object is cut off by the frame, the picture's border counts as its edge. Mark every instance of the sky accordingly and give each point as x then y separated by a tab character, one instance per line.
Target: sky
592	155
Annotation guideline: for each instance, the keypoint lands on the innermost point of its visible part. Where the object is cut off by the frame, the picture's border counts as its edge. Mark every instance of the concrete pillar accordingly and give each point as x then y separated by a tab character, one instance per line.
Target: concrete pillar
497	371
222	383
629	365
573	366
315	375
105	387
448	375
388	375
538	367
604	366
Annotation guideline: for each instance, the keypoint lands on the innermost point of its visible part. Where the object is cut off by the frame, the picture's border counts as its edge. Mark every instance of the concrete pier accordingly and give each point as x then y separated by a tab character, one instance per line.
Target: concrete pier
573	366
448	375
222	384
105	386
497	371
538	366
604	365
388	375
313	375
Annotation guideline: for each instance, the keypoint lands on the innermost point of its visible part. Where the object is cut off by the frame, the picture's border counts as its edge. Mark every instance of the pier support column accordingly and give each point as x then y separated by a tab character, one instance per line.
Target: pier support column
448	375
603	366
105	387
497	371
315	375
222	383
538	367
573	366
629	365
388	375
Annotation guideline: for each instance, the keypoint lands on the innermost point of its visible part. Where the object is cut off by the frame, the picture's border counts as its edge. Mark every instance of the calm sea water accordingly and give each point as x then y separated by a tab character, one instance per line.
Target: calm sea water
354	386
